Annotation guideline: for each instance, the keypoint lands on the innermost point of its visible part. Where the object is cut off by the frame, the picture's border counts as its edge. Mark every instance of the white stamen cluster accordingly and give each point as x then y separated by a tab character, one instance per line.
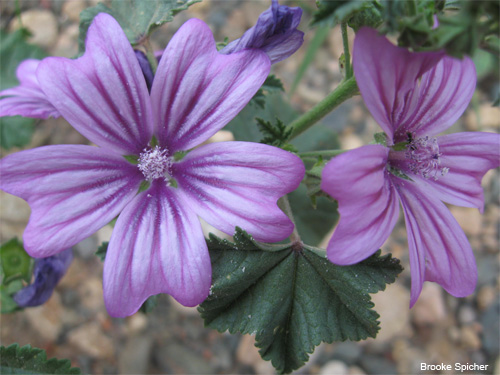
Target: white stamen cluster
425	158
155	163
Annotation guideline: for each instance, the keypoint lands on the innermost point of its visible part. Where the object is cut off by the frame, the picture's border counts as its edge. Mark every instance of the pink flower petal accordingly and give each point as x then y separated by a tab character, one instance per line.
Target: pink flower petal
443	94
197	91
157	246
468	156
103	94
72	190
238	184
386	74
439	250
367	202
27	99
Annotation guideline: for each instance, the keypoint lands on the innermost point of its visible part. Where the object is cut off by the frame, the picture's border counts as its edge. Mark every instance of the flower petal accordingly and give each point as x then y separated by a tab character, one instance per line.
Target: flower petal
103	94
468	156
439	250
443	94
73	191
27	99
157	246
197	91
47	274
368	205
385	74
275	33
233	184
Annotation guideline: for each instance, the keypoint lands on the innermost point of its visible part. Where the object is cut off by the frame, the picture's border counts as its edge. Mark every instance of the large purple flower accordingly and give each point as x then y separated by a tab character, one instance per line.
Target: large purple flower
413	96
157	245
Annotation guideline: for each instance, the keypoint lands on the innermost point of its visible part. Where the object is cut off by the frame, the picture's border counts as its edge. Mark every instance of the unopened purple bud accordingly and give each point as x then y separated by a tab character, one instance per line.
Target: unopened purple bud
47	273
145	67
275	33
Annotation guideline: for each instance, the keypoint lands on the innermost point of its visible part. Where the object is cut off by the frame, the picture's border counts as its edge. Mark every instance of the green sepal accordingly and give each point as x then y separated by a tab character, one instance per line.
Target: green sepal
398	173
332	13
369	15
381	139
29	360
221	45
173	183
15	261
132	159
401	146
138	18
179	155
144	186
6	293
291	297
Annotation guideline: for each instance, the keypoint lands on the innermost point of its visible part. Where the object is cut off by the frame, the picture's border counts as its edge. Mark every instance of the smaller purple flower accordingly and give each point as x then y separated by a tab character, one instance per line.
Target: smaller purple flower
47	274
414	97
275	33
27	99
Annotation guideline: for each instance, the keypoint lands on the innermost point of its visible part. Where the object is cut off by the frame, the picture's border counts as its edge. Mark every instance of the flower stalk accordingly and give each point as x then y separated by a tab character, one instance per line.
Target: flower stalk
347	55
347	89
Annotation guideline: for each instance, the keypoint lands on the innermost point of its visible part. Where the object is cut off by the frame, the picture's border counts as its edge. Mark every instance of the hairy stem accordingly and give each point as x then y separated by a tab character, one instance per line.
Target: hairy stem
347	89
321	153
347	55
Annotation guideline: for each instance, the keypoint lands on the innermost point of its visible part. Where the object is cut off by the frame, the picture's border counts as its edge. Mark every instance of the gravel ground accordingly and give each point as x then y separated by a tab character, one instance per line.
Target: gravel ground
74	324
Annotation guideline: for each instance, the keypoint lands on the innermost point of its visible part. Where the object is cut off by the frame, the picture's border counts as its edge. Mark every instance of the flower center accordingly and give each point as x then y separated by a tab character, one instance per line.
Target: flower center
424	158
155	163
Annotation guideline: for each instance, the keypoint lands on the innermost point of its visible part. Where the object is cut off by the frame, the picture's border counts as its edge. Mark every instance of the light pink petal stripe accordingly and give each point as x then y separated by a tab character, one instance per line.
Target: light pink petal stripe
233	184
368	205
72	190
157	246
103	94
197	91
439	250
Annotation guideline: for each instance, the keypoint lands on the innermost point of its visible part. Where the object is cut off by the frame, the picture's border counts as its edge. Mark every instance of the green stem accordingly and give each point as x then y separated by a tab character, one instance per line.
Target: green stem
150	55
284	204
347	89
347	56
321	153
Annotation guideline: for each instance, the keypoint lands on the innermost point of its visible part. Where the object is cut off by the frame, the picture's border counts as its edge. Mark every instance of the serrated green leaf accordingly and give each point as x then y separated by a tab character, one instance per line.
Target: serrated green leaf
275	134
29	360
331	13
138	18
15	262
271	84
292	298
15	131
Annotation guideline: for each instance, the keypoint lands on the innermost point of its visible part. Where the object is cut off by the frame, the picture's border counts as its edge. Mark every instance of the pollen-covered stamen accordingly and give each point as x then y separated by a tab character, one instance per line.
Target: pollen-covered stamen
424	157
155	163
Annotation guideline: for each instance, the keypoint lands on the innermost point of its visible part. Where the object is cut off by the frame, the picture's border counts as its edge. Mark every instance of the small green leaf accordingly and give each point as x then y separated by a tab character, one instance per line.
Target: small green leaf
331	13
102	250
291	297
29	360
138	18
15	131
16	263
275	135
271	84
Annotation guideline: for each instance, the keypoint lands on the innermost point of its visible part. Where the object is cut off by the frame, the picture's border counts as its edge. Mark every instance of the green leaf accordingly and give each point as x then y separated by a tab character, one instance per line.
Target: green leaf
138	18
271	84
15	131
291	297
6	293
28	360
275	135
16	263
331	13
102	250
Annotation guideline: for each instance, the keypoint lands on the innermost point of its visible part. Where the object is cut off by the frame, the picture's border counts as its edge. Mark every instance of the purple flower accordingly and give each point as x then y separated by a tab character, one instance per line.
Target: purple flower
413	96
157	245
47	274
27	99
275	33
